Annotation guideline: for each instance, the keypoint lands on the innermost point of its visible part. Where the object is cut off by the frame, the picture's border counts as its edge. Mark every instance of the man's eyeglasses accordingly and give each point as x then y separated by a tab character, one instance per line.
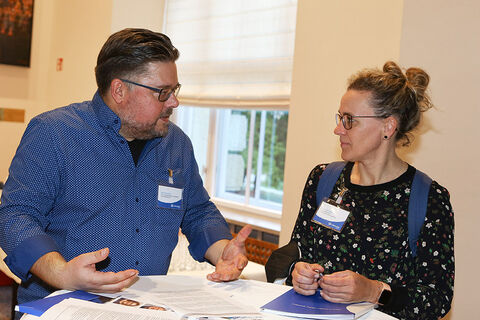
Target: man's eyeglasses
163	94
347	119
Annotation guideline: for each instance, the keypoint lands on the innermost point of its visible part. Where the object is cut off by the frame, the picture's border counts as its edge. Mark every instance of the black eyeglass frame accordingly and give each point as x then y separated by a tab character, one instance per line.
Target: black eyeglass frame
168	92
348	123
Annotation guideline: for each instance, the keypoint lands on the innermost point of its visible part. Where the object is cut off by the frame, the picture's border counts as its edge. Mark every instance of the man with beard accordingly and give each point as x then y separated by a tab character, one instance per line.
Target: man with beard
98	190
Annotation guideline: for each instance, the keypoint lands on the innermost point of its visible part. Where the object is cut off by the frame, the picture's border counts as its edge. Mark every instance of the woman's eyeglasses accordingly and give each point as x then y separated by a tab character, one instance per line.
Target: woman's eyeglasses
347	119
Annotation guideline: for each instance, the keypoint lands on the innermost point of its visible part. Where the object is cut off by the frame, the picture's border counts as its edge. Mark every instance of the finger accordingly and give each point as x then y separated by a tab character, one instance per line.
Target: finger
336	289
100	278
240	261
222	277
212	277
305	292
310	287
115	287
305	270
304	281
335	297
105	278
317	268
337	279
243	234
94	256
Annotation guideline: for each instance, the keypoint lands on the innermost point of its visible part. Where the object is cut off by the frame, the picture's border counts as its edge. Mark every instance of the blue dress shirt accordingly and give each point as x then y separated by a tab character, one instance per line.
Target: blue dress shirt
73	187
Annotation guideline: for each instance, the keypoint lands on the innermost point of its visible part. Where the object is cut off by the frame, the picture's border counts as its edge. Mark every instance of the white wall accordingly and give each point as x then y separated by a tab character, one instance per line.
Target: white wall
337	38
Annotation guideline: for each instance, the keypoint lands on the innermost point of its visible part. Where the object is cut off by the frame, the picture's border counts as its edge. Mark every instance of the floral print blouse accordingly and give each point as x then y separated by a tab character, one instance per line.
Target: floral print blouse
374	242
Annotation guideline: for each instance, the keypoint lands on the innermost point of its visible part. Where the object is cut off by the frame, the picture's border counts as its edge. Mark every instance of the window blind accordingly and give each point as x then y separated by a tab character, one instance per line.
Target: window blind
233	52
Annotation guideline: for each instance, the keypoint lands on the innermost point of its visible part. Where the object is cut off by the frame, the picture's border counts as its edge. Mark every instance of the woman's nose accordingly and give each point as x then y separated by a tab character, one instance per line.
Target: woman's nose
339	129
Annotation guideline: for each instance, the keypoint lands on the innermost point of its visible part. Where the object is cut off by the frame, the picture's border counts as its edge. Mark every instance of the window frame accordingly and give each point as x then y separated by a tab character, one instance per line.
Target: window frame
262	218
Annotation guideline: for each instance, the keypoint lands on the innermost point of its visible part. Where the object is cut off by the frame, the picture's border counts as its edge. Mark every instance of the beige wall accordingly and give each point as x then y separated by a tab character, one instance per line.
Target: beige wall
443	36
73	30
335	39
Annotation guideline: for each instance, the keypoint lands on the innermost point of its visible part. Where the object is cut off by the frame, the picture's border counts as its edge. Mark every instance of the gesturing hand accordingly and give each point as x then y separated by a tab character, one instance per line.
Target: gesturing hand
233	259
80	273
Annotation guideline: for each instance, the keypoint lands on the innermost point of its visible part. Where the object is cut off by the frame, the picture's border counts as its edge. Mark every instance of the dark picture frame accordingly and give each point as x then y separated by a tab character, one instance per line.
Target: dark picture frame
16	20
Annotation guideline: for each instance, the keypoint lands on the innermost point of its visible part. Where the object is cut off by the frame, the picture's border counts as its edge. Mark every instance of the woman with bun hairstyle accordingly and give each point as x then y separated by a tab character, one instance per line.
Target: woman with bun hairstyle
370	258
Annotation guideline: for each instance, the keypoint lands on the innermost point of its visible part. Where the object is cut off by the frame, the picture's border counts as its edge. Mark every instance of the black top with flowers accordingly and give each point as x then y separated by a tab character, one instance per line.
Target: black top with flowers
374	242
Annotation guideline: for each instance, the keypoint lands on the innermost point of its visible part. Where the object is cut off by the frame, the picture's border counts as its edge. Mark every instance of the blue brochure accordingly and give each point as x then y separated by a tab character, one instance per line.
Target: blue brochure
38	307
293	304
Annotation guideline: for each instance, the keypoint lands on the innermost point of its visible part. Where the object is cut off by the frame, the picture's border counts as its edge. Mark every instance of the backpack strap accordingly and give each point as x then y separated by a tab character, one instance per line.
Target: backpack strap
328	179
417	207
417	204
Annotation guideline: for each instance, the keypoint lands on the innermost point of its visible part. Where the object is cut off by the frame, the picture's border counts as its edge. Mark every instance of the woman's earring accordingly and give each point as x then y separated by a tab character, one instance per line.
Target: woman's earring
385	137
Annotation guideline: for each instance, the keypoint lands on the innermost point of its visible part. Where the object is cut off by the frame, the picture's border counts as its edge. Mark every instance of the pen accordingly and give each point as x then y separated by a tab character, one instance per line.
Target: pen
320	274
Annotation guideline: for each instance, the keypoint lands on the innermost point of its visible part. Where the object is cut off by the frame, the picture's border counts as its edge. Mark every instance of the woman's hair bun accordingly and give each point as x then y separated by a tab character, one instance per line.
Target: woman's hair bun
395	93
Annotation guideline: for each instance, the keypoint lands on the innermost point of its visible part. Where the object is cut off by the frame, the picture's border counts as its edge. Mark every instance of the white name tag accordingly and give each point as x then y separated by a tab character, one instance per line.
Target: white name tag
331	215
169	197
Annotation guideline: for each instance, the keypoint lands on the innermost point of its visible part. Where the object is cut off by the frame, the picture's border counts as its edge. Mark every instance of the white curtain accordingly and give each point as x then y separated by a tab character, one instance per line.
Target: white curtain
233	52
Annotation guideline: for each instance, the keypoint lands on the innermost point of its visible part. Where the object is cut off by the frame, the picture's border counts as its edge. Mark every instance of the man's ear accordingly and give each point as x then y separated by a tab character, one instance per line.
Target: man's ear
118	90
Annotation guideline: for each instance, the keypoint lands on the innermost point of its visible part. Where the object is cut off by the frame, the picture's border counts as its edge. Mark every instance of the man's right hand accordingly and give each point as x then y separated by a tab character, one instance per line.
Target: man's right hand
80	273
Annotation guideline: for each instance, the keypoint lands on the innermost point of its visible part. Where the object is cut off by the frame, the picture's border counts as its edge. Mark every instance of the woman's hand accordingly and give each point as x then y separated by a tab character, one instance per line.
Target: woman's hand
305	278
349	287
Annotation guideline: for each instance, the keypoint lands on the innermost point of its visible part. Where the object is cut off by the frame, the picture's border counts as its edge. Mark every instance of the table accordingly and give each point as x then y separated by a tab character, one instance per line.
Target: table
250	292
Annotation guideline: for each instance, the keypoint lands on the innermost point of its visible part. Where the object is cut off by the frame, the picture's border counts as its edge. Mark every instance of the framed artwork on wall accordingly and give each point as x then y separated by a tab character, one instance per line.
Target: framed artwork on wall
16	19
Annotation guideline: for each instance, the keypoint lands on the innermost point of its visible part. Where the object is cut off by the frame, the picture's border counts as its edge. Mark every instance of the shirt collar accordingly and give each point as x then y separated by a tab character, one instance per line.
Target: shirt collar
107	118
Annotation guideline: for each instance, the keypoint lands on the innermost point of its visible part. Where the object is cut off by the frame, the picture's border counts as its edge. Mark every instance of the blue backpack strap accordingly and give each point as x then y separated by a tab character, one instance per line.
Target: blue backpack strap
328	179
417	207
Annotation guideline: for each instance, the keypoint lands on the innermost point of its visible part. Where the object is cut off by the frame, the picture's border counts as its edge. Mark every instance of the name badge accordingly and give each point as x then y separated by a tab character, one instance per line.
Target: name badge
169	197
331	215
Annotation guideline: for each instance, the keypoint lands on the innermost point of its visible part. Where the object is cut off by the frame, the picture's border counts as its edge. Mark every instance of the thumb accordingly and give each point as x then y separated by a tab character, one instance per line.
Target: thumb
243	234
317	268
95	256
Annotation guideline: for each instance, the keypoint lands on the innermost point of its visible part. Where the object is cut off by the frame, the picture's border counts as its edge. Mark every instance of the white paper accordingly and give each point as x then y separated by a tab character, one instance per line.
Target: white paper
74	309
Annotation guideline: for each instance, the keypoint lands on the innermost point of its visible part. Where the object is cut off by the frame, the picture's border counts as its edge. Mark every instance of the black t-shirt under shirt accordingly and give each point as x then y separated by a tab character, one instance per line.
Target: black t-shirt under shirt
136	148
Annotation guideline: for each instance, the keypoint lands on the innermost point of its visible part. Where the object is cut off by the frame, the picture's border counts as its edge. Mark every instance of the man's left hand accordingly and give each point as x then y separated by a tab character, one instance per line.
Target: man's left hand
233	259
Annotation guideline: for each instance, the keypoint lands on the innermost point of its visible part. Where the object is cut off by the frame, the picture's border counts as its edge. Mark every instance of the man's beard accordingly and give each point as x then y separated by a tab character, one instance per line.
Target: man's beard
146	131
132	129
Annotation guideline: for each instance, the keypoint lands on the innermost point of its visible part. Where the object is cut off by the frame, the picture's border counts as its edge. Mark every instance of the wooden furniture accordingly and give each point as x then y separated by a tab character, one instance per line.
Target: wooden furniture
258	250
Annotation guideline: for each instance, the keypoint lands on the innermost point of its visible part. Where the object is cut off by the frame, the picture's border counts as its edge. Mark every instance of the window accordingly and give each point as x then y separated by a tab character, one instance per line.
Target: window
235	68
249	156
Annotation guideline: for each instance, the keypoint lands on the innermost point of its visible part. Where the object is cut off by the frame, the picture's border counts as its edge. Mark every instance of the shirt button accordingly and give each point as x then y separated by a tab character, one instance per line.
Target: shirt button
136	263
115	121
122	141
136	199
137	230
